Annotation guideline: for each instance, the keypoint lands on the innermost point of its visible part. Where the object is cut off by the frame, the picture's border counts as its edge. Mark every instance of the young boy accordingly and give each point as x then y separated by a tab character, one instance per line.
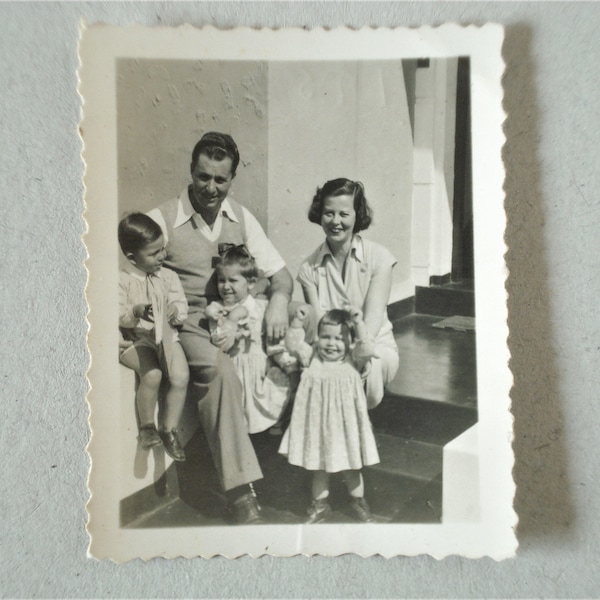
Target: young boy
151	305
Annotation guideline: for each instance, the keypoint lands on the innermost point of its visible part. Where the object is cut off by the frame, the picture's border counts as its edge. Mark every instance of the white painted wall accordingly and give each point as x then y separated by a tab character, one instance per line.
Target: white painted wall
433	172
165	106
296	124
339	119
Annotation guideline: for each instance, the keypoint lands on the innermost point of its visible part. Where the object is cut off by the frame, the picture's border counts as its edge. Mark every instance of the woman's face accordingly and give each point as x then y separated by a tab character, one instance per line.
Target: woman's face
338	218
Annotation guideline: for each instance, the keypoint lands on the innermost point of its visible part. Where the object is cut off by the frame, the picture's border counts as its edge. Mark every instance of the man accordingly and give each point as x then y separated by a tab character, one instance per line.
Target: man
201	223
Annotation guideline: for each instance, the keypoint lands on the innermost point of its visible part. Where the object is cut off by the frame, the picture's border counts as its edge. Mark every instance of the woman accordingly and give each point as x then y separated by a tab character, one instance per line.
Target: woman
349	270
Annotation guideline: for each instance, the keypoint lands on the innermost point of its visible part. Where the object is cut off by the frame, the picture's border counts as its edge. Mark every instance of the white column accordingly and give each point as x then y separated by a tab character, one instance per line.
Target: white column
433	170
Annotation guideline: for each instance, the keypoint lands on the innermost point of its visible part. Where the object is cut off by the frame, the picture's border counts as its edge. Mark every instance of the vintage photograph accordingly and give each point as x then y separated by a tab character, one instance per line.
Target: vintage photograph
296	289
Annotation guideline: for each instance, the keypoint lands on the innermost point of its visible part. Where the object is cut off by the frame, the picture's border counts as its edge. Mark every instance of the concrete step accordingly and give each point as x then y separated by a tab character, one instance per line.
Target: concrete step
405	478
435	364
444	301
421	420
432	400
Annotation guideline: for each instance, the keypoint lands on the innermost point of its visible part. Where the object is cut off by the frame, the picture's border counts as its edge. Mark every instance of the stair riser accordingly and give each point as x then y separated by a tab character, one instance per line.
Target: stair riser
423	420
444	302
389	495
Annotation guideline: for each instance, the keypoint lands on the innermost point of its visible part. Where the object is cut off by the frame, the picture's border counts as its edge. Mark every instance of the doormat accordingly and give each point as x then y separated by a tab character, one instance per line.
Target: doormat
457	322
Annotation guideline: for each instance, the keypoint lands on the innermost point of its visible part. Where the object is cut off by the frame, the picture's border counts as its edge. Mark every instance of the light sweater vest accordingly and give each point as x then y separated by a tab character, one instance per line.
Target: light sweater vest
193	257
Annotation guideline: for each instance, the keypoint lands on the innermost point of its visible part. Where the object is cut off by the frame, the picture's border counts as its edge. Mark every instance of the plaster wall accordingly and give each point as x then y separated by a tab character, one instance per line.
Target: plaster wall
165	106
339	119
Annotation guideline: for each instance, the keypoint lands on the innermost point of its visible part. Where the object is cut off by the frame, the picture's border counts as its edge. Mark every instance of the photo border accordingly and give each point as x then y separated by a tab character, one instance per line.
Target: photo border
494	535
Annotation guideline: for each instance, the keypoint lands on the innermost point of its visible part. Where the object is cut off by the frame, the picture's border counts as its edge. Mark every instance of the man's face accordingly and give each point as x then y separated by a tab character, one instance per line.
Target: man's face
211	180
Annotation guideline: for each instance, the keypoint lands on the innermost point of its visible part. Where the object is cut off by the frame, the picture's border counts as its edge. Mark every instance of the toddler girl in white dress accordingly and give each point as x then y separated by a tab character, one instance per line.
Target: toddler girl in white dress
330	430
236	326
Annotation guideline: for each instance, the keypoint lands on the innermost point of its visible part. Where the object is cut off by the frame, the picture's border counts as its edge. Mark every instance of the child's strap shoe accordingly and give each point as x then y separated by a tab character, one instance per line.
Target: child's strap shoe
318	511
149	436
360	509
172	446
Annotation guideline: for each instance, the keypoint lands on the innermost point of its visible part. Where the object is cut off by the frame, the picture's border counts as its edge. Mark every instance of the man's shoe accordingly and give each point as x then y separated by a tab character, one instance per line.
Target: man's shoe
172	446
246	510
318	511
149	437
360	509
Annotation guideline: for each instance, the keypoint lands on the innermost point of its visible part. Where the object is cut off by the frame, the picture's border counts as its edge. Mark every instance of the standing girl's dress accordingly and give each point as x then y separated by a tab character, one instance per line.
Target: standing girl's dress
265	388
320	277
330	428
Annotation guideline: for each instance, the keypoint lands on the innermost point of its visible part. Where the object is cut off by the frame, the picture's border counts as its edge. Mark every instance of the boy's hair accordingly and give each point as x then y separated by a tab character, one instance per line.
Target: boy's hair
342	187
240	257
341	317
136	231
217	146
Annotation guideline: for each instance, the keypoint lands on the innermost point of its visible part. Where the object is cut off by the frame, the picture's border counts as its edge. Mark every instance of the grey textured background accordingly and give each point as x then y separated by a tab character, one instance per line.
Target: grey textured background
552	156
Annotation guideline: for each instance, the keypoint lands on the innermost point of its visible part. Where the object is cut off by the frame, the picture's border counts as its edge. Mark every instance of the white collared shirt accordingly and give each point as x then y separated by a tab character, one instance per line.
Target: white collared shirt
260	247
320	273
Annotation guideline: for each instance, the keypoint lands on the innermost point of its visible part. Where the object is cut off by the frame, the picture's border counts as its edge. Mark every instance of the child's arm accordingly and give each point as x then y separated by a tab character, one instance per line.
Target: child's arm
237	314
364	344
224	326
295	341
214	316
130	314
177	306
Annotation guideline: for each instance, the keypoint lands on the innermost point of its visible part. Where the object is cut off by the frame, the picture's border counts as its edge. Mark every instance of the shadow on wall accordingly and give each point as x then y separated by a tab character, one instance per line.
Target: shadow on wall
542	499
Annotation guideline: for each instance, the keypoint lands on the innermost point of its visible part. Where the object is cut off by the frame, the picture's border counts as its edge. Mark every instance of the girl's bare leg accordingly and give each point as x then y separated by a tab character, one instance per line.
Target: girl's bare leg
355	484
179	376
320	485
144	361
356	488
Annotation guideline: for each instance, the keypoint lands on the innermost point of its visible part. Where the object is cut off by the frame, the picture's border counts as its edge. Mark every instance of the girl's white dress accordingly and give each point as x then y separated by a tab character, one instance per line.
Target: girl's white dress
265	388
330	428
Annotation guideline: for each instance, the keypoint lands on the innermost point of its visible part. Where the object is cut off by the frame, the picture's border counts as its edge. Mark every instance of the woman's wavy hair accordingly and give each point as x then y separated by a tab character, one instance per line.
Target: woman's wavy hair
342	187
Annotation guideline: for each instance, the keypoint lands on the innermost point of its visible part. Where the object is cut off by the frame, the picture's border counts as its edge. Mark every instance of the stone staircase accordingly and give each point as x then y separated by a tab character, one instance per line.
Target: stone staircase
432	400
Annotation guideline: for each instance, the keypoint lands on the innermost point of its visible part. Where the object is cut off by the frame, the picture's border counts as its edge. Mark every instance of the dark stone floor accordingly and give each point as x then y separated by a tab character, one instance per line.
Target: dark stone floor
432	399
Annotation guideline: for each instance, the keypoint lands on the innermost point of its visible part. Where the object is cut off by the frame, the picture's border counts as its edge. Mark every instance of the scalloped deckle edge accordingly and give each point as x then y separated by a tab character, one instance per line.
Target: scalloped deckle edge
488	527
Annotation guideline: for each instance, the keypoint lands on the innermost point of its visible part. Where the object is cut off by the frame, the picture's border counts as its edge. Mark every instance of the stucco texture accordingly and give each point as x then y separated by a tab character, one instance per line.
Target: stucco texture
552	158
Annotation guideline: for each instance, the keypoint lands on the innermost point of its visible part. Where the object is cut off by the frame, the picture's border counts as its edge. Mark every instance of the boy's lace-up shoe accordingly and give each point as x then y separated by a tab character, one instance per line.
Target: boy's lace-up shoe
246	510
318	511
360	509
149	436
171	443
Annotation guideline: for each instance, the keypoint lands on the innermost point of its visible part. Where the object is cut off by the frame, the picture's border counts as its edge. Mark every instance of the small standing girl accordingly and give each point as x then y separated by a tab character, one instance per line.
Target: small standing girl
236	326
151	305
330	431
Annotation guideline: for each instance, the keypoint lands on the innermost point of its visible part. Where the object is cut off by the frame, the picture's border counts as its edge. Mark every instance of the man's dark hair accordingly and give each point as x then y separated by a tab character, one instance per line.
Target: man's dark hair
136	231
342	187
216	146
